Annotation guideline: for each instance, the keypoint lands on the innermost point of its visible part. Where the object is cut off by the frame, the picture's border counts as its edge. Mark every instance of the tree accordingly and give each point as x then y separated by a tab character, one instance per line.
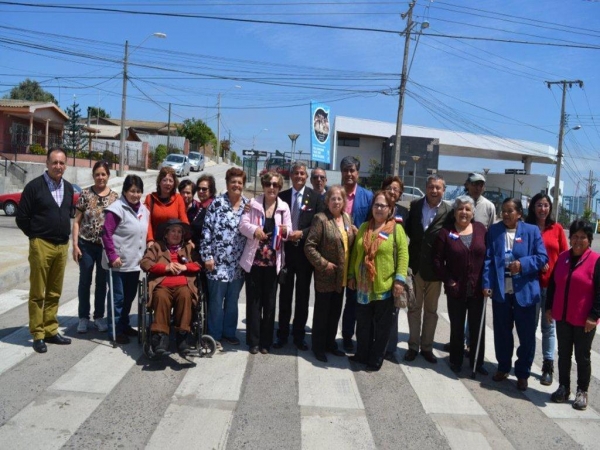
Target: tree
74	136
94	111
376	175
31	90
197	132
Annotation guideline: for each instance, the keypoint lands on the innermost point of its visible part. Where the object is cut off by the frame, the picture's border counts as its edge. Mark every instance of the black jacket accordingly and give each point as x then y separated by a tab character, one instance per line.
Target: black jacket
38	215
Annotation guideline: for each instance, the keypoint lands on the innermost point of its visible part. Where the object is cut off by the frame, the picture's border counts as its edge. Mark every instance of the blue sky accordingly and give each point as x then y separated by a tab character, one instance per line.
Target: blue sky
480	86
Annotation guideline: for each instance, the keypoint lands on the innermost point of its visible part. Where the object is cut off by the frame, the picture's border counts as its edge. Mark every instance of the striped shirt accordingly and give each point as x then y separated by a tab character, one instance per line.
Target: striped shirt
56	189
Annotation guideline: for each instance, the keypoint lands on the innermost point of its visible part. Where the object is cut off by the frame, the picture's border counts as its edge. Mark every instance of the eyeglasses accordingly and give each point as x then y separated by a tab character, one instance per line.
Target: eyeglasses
203	189
380	206
318	177
393	189
271	185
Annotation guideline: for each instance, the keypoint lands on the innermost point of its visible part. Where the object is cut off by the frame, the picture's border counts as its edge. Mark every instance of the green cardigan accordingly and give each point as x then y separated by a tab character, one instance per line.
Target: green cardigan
384	260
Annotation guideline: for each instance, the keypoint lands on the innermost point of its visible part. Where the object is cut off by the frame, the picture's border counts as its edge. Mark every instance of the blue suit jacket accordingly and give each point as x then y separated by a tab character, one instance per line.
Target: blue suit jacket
528	249
360	208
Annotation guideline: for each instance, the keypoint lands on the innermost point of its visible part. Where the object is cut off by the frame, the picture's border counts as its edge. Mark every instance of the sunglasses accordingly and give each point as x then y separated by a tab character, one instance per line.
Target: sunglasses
203	189
271	185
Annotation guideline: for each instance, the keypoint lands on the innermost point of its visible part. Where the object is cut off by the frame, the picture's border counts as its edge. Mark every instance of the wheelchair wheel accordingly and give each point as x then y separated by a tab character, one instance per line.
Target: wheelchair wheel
207	346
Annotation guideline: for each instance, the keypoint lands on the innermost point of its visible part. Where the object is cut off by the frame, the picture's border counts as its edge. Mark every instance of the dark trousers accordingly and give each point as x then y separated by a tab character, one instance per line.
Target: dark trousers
507	315
457	311
373	323
328	309
349	317
302	275
570	336
261	295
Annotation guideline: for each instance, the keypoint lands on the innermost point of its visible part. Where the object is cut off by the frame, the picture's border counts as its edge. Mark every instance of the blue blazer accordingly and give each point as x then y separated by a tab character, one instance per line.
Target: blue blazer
362	203
528	249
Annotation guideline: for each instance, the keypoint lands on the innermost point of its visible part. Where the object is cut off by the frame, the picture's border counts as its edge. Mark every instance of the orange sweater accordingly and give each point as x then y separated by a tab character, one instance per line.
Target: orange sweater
161	212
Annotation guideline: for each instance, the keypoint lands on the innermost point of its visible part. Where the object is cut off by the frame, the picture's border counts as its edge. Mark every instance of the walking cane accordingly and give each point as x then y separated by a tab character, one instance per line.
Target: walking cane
112	304
473	374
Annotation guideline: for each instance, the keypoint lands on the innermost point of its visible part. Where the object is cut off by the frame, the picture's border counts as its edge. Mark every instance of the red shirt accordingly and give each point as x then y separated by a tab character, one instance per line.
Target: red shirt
555	242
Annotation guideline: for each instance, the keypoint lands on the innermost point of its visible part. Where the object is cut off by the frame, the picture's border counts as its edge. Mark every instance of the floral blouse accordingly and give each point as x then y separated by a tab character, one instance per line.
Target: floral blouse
92	208
266	256
221	239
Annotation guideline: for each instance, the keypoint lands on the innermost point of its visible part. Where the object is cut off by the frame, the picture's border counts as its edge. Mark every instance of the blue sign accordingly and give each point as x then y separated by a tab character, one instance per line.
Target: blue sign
320	136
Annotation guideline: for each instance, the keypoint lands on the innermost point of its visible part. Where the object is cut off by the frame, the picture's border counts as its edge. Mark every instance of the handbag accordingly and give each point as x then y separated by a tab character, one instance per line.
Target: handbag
282	276
407	299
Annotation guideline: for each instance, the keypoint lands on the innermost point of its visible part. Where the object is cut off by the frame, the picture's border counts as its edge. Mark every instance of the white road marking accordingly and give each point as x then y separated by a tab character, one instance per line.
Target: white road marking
12	299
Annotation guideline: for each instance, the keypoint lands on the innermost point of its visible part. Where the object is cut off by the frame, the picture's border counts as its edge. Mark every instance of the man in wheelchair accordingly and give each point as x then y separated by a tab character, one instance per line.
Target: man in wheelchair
172	267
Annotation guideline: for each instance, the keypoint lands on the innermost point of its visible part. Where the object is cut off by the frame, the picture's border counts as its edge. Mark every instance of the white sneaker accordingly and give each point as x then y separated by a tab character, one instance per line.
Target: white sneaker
101	324
82	326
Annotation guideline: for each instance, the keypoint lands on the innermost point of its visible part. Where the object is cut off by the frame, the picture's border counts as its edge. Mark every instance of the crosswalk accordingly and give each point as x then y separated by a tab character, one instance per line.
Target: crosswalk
280	400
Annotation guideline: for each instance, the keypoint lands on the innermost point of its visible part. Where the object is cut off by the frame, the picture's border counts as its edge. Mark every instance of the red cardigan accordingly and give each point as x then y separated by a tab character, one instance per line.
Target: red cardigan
555	242
161	212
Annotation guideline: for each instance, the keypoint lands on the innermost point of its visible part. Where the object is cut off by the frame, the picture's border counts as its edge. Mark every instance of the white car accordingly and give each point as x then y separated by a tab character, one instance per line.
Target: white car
197	161
412	193
180	163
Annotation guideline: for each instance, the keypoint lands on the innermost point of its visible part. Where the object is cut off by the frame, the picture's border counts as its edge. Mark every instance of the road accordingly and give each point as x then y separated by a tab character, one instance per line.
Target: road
89	395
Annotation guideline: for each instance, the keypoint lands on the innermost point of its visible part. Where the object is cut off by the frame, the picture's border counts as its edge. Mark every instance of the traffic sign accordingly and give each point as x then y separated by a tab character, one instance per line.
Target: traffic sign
255	153
515	172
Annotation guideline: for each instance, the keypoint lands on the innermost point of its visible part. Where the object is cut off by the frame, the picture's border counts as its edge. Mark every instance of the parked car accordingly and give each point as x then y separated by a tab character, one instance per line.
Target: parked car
10	202
412	193
180	163
196	161
278	164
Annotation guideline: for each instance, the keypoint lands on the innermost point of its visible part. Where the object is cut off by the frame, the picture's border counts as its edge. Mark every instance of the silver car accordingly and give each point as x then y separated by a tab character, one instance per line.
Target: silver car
197	161
180	163
412	193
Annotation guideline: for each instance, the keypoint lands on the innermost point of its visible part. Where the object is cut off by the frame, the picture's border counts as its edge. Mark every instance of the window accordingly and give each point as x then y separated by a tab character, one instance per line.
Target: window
349	142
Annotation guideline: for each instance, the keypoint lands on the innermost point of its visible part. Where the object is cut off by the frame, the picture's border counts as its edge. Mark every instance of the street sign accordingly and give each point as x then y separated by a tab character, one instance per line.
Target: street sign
254	153
515	172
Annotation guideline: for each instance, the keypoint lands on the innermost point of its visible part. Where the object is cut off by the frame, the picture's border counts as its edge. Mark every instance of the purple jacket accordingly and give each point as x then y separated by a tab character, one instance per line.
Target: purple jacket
453	262
252	220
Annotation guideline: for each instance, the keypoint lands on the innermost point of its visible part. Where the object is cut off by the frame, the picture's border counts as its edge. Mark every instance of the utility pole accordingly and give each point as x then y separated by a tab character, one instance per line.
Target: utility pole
169	130
591	190
561	135
403	79
218	127
122	149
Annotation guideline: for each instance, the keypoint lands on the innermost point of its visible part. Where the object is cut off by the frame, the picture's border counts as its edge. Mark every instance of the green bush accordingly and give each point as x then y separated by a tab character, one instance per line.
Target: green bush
37	149
110	157
160	153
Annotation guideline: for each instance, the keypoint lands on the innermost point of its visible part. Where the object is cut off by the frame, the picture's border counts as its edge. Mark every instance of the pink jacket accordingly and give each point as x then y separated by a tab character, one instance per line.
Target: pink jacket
252	220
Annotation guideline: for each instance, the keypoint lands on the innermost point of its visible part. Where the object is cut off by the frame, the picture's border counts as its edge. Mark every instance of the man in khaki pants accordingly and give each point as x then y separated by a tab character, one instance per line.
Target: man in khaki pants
425	220
44	215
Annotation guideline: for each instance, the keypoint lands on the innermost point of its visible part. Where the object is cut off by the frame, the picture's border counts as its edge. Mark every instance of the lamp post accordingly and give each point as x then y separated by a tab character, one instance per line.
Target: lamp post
416	160
403	163
293	138
237	86
121	170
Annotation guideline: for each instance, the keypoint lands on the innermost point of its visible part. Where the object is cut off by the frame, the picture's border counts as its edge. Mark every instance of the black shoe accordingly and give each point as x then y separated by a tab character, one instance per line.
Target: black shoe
410	355
254	350
182	342
39	346
280	343
264	351
371	368
122	339
482	370
231	340
337	352
301	345
429	357
547	371
160	342
356	359
348	345
58	340
131	332
321	356
561	395
447	347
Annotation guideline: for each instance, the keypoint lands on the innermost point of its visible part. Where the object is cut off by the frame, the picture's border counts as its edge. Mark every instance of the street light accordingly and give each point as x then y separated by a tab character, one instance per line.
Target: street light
416	160
237	86
293	138
559	156
255	136
121	170
403	163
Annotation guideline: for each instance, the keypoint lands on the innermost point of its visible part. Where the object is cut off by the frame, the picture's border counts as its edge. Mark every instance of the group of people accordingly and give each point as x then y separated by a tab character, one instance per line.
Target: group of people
381	255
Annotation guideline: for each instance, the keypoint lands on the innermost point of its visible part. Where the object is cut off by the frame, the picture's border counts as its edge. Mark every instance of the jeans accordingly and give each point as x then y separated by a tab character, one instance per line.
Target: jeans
125	288
91	255
548	329
223	299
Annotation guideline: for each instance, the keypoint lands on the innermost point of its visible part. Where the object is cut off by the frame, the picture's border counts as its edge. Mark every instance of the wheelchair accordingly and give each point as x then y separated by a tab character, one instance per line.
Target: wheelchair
202	345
